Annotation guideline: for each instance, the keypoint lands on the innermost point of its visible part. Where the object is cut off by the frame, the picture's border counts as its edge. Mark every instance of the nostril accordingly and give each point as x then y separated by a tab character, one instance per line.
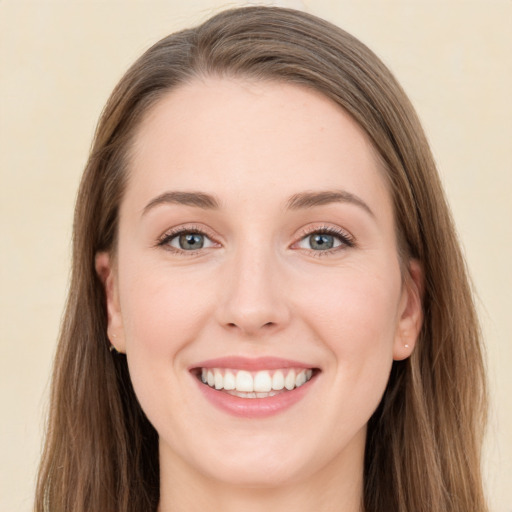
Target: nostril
266	325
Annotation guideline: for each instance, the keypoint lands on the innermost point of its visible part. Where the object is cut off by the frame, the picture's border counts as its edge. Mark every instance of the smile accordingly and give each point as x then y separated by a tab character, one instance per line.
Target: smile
260	384
254	388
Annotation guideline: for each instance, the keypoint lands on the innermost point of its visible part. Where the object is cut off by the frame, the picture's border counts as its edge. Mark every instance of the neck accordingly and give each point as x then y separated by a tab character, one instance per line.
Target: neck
337	486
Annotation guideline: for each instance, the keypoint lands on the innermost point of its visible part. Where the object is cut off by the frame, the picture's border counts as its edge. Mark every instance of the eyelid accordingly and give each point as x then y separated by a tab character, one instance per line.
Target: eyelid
346	238
171	233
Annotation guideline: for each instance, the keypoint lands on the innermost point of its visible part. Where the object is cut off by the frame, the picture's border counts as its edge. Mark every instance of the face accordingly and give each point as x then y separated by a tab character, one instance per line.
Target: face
256	288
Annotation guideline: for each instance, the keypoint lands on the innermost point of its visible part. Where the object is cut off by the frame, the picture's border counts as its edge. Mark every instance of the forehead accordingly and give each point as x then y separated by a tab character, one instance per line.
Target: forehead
245	138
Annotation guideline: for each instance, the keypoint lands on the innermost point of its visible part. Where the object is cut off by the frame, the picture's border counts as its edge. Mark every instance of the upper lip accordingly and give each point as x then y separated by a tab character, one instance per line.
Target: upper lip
250	364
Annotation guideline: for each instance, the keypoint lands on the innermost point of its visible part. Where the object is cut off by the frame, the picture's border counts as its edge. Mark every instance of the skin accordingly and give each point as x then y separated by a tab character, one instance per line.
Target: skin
258	288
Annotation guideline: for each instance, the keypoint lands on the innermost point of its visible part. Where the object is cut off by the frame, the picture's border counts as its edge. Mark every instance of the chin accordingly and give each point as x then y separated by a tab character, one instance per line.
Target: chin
259	473
260	461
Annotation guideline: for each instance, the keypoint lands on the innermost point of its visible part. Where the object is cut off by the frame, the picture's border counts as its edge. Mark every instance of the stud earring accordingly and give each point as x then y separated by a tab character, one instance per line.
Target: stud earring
112	348
406	346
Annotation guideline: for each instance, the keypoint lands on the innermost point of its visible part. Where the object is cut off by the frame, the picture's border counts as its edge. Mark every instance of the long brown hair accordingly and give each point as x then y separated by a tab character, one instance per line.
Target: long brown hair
424	440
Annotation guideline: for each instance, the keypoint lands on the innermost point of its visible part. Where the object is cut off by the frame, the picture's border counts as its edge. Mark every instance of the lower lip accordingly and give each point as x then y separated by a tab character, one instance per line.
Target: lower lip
255	407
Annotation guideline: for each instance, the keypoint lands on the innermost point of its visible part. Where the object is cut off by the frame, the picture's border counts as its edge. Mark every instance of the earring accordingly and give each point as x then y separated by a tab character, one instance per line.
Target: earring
406	346
112	348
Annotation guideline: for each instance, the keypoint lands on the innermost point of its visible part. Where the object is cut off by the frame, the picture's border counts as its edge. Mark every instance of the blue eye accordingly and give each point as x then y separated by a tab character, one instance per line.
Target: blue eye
187	241
325	241
321	241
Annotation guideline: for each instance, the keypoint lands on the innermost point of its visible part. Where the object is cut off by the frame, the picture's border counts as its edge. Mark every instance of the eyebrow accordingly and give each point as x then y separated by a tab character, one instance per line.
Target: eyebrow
311	199
302	200
198	199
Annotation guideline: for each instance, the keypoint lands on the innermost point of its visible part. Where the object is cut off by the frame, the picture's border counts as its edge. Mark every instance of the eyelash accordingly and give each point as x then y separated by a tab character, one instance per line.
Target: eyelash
164	241
347	240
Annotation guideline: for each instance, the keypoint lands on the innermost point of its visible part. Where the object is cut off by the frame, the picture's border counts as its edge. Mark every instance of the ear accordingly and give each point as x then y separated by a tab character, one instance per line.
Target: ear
410	312
106	271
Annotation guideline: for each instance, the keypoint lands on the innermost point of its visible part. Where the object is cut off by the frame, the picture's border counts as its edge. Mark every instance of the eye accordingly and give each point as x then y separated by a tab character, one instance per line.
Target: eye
187	240
325	239
319	242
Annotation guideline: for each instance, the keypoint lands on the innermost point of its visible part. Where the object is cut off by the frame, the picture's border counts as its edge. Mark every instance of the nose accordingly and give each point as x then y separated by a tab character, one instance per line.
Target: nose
253	299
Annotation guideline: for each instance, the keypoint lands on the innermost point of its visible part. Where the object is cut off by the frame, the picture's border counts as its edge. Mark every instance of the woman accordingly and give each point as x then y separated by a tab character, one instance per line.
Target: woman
269	307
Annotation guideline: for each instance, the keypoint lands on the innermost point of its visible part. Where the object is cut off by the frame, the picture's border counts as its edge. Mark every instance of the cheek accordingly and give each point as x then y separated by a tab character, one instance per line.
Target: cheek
356	322
161	310
359	309
161	316
356	317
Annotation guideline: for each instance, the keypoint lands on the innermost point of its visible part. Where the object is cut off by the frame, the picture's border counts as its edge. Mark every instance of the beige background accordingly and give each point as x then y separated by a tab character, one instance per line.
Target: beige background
60	60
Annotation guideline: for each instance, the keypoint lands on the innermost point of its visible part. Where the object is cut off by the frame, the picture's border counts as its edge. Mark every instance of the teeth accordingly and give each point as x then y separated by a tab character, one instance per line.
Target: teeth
255	384
229	381
262	382
253	394
219	380
244	381
278	380
299	380
289	381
